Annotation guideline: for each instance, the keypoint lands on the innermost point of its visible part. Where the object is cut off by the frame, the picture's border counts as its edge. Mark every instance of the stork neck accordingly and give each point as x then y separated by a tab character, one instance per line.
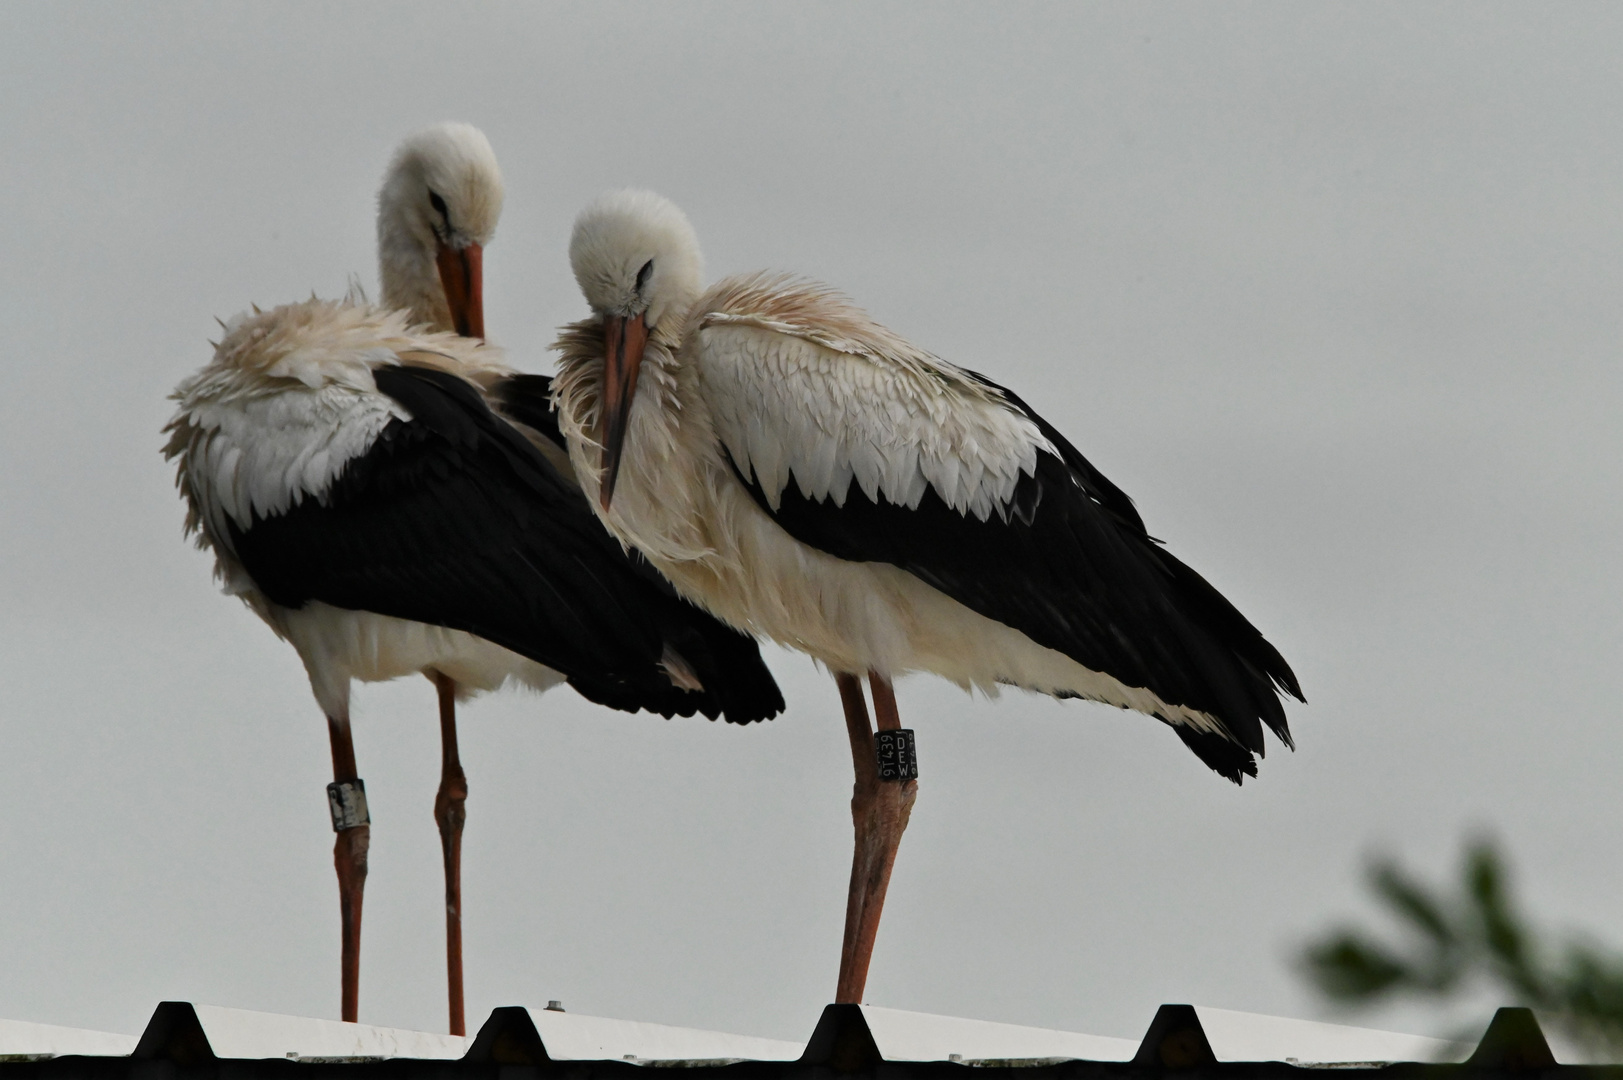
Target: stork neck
409	278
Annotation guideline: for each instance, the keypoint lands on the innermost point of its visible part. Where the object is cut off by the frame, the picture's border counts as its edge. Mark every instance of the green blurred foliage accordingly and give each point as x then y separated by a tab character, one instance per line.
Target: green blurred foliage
1453	944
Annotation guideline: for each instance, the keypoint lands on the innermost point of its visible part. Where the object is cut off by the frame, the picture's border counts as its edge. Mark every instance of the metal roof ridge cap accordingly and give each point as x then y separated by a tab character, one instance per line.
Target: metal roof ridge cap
1513	1042
1175	1040
508	1036
174	1033
842	1041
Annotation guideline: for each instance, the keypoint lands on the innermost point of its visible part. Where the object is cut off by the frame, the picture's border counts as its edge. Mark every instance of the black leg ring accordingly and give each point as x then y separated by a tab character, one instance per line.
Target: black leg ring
347	801
897	753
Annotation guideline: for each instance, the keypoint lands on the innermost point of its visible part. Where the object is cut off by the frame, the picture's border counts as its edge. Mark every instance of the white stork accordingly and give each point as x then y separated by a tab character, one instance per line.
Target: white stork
360	494
806	474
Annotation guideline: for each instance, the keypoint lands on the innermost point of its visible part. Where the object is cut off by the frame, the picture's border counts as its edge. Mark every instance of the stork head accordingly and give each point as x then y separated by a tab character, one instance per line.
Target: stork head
636	258
437	210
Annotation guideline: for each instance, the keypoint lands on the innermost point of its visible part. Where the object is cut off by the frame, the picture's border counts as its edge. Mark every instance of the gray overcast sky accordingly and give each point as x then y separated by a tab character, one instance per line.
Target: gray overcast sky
1332	291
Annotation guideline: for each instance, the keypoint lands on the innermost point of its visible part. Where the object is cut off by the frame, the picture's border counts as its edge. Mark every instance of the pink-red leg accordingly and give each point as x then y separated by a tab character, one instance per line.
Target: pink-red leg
450	812
349	859
879	812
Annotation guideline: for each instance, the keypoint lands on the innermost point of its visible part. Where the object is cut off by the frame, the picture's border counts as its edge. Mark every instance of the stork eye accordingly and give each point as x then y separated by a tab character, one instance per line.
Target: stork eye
438	204
642	275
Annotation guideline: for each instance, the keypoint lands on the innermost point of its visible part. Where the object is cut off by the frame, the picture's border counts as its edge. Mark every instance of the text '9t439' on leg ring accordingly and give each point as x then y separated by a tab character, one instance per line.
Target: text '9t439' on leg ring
897	754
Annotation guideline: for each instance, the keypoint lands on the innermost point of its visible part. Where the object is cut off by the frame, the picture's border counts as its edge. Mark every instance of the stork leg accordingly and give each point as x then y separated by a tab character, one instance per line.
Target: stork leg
349	859
879	812
450	813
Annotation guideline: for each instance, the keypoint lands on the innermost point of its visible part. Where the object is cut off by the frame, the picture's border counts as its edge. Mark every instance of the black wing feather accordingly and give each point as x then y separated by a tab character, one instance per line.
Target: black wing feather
454	519
1071	566
528	399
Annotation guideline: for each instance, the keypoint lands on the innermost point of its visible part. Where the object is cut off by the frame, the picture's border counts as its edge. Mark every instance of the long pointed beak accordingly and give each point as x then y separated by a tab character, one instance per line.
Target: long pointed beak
626	339
462	273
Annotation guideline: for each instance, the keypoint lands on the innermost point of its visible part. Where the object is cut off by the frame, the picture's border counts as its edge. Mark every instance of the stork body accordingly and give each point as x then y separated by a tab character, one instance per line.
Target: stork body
808	475
361	495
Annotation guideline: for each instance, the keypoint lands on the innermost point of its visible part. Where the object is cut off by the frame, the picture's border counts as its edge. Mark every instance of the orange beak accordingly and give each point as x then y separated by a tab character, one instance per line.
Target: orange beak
462	273
625	340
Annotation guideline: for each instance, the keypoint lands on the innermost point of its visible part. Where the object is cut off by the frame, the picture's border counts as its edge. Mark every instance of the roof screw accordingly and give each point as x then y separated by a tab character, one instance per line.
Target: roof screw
555	1006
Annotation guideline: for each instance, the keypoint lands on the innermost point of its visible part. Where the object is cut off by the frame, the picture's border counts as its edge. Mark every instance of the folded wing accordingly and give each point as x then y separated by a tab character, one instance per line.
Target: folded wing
451	517
873	452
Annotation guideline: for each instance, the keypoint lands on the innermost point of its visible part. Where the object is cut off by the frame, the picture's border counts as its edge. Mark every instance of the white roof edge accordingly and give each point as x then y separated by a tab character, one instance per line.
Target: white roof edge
23	1038
581	1036
903	1035
1245	1036
245	1033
